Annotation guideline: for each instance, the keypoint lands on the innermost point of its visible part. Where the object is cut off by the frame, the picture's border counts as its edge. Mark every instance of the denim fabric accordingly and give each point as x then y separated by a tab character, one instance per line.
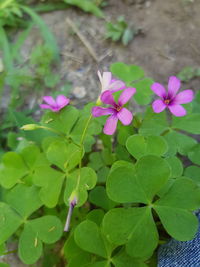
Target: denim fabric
180	254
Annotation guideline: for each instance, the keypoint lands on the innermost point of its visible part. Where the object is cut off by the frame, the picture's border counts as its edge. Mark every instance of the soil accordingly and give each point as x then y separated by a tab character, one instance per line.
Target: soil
169	41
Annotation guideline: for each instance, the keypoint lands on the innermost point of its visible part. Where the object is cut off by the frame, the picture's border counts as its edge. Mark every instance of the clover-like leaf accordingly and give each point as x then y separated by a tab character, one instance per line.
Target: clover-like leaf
62	121
153	123
176	166
127	73
139	145
144	93
12	170
9	221
179	142
50	181
30	247
123	259
189	123
63	155
133	227
33	157
47	229
140	183
24	199
96	216
193	172
99	198
175	209
86	235
81	181
194	154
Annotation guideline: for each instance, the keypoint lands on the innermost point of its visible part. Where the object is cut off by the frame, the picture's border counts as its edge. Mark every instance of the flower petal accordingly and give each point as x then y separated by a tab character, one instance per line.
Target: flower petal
54	109
116	86
125	116
126	96
107	98
158	106
106	79
45	106
184	97
177	110
99	111
110	125
173	86
62	101
49	100
158	89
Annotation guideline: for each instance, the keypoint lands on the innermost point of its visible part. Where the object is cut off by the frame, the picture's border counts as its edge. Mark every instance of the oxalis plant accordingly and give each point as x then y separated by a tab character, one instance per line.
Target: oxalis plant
105	186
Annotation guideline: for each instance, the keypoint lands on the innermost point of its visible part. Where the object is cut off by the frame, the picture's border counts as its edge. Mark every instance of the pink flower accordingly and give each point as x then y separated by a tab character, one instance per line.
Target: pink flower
107	83
116	110
55	105
171	99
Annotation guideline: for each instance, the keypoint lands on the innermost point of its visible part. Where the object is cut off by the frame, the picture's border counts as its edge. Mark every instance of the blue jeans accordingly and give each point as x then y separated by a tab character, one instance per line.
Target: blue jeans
180	254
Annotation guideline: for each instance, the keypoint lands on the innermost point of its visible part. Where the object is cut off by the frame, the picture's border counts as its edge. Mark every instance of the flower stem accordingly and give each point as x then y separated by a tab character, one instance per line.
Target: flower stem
81	149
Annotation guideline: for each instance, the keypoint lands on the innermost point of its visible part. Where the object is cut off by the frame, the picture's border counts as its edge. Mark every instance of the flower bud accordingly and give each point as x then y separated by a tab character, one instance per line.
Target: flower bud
30	127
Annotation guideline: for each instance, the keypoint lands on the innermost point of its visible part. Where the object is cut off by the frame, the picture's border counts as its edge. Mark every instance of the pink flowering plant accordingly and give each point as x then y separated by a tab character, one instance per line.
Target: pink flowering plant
106	185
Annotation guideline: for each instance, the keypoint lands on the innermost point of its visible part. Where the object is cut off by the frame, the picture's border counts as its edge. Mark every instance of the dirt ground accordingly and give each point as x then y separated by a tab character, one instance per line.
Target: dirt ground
170	41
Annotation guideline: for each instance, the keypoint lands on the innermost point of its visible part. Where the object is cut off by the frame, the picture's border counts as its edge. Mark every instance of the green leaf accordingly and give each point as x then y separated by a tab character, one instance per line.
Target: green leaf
81	259
174	209
99	198
127	36
102	174
98	264
49	228
12	170
24	199
86	235
2	264
32	156
140	184
65	156
9	222
193	172
51	182
133	227
96	161
63	121
189	123
94	127
139	145
107	156
5	46
71	249
153	123
30	247
80	181
87	6
176	166
124	133
143	95
127	73
122	259
194	154
2	249
180	142
96	216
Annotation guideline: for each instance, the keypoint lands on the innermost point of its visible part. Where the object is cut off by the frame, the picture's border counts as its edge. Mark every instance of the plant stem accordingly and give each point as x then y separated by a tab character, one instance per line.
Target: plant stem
81	149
